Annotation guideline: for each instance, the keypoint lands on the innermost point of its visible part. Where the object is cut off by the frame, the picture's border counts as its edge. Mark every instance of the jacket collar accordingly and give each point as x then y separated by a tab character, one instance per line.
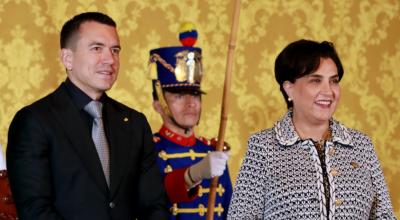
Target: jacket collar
177	138
287	135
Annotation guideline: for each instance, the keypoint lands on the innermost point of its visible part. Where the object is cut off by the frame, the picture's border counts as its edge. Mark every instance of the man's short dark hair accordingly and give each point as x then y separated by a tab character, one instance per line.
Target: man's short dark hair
301	58
71	28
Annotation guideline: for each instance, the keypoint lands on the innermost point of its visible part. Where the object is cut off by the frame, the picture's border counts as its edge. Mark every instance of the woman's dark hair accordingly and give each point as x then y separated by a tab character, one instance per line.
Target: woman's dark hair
71	27
301	58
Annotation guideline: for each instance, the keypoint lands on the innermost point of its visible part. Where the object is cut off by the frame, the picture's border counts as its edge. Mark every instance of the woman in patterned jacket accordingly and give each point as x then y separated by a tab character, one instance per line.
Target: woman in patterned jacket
310	166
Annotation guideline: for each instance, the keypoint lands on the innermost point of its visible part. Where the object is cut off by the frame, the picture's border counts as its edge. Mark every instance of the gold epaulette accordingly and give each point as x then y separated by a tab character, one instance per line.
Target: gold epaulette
204	140
202	210
226	147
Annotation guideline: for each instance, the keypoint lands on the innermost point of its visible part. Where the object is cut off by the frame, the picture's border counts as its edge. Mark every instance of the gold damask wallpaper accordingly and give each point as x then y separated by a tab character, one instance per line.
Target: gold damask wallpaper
366	34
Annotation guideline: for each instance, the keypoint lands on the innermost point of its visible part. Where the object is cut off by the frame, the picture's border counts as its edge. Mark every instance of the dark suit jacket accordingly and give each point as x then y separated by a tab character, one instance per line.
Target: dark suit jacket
55	172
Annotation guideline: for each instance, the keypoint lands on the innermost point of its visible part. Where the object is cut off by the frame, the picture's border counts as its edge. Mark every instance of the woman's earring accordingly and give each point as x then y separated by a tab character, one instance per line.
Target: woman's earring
289	99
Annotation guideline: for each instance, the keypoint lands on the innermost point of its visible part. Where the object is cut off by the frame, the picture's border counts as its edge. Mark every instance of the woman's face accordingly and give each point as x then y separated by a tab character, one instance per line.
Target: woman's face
316	95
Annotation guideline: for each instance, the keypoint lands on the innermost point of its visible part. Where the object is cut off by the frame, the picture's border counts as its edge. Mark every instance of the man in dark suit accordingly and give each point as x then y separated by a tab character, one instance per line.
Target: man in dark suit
66	163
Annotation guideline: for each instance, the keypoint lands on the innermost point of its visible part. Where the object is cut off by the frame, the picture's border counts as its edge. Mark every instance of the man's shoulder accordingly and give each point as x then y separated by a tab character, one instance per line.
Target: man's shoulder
35	112
213	143
207	141
42	103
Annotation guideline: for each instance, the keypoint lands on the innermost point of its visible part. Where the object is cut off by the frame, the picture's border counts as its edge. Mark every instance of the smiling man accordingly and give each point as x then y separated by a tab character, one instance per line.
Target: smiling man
77	153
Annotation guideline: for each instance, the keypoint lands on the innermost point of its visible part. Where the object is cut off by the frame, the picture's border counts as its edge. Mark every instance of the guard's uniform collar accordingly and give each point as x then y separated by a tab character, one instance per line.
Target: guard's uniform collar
287	135
176	138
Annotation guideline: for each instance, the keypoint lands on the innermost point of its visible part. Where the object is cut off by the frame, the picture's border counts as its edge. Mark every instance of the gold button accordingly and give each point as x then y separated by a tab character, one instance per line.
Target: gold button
354	164
334	172
168	169
163	155
126	119
201	191
174	209
331	151
338	202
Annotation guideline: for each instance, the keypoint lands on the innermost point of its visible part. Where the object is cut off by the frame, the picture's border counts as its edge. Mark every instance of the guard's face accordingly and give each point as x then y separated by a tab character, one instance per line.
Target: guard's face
184	107
94	61
316	95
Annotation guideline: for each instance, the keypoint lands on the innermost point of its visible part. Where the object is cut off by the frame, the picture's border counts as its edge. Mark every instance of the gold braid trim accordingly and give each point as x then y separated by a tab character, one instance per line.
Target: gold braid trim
155	57
193	155
201	210
220	190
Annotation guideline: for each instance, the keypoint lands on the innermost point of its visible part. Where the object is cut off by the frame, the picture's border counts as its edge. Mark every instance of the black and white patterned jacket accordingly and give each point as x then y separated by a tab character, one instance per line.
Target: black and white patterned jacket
281	177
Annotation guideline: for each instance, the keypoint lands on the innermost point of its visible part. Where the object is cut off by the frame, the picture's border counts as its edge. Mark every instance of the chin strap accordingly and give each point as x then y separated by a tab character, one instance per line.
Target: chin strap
161	99
187	130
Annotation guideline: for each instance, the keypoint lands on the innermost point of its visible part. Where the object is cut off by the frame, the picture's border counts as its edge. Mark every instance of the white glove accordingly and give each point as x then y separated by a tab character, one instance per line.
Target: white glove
210	166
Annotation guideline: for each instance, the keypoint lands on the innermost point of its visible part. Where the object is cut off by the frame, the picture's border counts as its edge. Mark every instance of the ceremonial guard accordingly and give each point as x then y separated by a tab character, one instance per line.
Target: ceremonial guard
187	162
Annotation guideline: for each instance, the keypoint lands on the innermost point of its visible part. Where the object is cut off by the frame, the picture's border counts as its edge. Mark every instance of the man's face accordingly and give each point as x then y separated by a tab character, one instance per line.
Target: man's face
93	62
184	107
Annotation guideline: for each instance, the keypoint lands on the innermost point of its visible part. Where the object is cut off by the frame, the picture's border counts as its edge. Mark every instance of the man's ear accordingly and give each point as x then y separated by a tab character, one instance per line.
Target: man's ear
66	56
157	107
288	87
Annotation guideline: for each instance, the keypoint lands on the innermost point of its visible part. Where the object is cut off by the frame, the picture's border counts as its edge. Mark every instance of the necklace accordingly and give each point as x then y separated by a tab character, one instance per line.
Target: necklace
320	143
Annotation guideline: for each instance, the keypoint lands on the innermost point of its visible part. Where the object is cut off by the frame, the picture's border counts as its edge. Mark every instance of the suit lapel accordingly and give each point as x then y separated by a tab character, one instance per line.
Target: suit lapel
70	120
119	137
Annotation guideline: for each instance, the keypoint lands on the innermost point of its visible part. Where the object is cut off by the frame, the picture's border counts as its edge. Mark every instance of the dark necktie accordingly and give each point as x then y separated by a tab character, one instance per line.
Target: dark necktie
94	108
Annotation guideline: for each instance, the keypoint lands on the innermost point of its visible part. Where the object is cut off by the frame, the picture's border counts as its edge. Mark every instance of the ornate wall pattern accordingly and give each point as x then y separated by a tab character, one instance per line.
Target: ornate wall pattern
366	34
